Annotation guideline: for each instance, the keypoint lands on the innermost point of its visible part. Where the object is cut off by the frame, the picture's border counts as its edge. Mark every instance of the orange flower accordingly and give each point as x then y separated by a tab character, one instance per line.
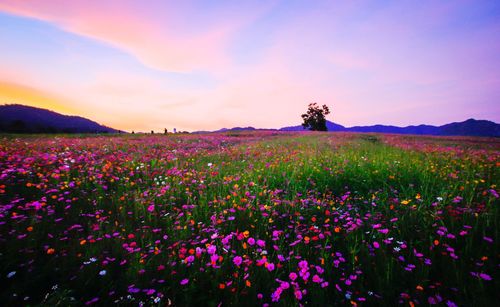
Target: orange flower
248	283
82	242
30	228
337	229
50	251
436	242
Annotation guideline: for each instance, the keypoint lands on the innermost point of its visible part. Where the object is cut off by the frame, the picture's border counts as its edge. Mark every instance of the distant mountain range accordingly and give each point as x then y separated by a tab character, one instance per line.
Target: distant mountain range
15	118
470	127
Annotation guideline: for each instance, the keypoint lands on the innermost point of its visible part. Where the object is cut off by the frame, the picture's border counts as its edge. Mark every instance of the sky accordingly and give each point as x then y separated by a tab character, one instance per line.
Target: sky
204	65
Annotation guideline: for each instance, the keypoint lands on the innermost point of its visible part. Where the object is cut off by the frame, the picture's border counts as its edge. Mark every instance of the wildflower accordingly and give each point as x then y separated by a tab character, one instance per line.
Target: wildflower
237	260
102	273
485	276
270	267
317	279
11	274
292	276
50	251
251	241
261	243
185	281
151	208
211	249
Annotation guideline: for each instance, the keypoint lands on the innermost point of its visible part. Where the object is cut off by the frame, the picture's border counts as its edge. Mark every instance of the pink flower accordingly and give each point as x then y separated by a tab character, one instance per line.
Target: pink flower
292	276
251	241
237	260
298	295
317	279
376	244
270	267
261	243
211	249
151	208
184	281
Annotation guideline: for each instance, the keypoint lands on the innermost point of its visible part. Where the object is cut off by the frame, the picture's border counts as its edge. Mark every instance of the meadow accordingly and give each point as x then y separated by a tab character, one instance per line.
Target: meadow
261	218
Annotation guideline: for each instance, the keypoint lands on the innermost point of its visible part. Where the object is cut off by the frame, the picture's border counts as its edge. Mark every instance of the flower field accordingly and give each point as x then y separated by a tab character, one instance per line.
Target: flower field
261	218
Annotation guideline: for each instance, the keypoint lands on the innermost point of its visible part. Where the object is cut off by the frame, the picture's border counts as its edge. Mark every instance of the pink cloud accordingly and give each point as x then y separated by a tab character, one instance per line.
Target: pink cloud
171	37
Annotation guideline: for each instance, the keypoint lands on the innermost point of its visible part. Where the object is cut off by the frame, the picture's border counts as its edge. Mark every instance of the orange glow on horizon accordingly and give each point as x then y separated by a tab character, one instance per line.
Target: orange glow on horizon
11	93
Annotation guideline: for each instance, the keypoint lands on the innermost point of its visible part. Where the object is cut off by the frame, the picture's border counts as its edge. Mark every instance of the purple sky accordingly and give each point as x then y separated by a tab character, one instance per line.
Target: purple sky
142	65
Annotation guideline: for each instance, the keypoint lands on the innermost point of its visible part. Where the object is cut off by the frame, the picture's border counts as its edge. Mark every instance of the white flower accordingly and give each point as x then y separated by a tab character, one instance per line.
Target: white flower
209	164
439	198
102	273
11	274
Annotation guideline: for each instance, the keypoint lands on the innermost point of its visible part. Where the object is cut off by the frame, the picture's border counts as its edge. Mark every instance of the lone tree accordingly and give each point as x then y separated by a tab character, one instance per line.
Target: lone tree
314	119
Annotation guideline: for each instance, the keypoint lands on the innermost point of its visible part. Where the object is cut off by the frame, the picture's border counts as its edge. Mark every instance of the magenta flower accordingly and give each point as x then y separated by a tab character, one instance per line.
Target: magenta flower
376	244
185	281
261	243
317	279
251	241
485	276
270	267
151	208
237	260
211	249
190	259
292	276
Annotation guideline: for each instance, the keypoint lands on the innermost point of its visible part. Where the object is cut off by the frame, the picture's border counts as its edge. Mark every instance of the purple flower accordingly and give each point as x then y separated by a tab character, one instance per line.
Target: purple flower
211	249
485	276
251	241
184	281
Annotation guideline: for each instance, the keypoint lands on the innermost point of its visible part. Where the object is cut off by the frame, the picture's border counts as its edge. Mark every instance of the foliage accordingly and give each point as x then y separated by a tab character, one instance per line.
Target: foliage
314	119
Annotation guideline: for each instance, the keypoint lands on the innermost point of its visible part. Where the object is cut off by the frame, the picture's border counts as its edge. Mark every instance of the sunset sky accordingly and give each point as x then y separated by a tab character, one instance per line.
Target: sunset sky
204	65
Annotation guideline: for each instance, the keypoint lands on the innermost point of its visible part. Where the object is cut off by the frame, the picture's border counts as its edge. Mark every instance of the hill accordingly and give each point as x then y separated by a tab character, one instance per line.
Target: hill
470	127
15	118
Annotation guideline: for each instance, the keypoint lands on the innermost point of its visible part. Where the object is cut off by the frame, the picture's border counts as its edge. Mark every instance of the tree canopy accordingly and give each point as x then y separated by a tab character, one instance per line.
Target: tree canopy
314	119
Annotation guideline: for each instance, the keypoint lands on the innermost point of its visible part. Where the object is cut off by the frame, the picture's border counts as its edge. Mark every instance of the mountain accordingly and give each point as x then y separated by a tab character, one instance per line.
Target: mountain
470	127
329	125
236	129
17	118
